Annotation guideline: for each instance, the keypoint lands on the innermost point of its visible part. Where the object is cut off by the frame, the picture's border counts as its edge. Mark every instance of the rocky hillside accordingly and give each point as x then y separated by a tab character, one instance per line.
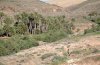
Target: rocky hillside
85	8
79	7
14	6
67	7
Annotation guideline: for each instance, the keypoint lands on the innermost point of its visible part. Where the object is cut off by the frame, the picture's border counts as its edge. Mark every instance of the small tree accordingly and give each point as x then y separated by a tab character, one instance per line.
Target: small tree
8	31
21	28
8	21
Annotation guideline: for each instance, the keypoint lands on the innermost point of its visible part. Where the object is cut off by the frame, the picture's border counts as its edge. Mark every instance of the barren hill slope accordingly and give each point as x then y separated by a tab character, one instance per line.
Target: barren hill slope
14	6
85	8
79	7
66	3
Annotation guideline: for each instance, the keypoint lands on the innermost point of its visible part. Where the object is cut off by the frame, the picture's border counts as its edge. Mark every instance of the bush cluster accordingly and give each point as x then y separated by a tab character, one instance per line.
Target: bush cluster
95	18
15	44
31	23
51	36
19	28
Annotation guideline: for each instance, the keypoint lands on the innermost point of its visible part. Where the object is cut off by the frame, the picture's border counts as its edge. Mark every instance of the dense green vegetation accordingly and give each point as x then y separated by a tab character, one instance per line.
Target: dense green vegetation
15	44
25	29
32	23
51	36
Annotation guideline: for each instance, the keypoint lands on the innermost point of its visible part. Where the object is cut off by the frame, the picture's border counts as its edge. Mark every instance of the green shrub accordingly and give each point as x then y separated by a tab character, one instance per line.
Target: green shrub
95	18
47	55
15	44
97	58
57	60
94	29
24	42
1	63
51	36
21	28
3	48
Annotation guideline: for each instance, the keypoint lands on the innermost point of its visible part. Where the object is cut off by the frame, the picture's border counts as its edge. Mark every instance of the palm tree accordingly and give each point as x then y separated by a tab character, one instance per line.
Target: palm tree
31	23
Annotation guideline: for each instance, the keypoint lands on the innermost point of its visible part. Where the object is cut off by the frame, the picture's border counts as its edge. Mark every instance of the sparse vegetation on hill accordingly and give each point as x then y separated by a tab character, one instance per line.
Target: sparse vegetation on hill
95	18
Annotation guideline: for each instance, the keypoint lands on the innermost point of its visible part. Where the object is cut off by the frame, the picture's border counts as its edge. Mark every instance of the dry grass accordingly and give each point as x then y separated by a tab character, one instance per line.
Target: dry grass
93	60
12	7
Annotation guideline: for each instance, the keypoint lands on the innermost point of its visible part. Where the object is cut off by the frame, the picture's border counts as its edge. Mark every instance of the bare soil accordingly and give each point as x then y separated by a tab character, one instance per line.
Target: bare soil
33	55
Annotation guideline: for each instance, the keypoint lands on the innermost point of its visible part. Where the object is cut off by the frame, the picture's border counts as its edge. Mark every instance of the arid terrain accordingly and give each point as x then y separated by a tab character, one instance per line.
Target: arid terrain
80	18
12	7
66	3
86	47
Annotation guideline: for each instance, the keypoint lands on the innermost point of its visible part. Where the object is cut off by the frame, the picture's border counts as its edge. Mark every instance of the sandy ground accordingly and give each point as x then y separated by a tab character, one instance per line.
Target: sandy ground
66	3
33	55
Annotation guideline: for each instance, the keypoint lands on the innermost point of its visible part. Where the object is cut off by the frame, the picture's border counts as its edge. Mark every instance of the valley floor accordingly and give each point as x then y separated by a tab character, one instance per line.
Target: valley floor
83	50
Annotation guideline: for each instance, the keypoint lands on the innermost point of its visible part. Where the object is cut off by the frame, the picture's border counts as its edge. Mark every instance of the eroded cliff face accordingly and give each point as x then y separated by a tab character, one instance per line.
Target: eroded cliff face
65	3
